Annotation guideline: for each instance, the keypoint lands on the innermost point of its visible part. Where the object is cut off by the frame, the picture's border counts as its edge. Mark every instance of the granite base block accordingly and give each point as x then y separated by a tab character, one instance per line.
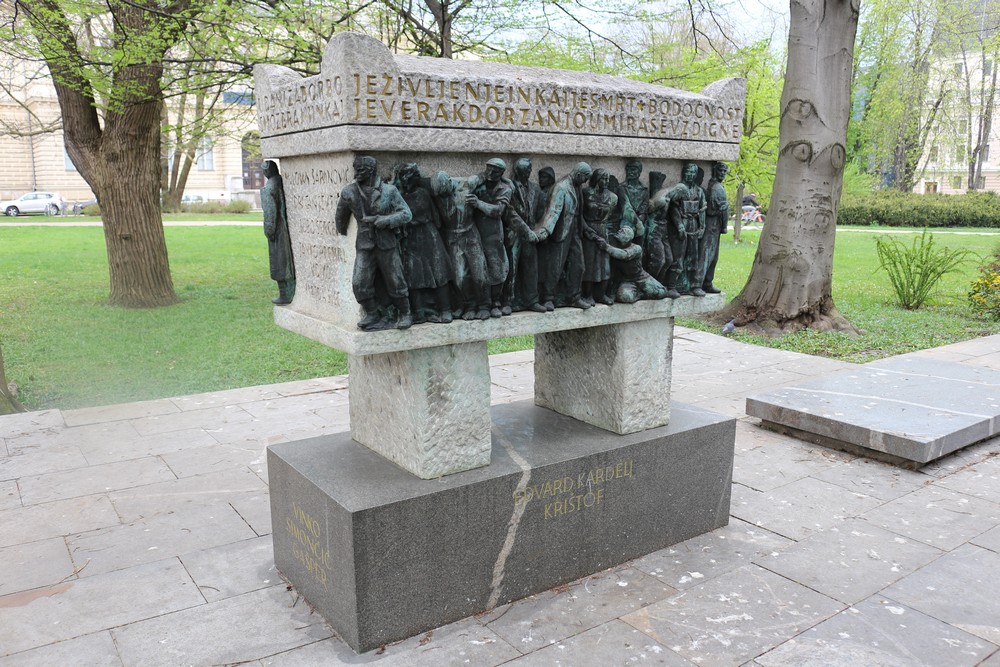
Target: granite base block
384	555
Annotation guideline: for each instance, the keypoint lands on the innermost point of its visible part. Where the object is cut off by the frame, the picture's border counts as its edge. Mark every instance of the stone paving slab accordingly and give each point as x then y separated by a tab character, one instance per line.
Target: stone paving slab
78	607
109	450
10	497
551	617
104	413
12	426
850	561
233	569
613	643
912	409
93	650
31	460
217	420
872	478
157	537
968	571
733	618
208	489
35	564
707	556
213	457
981	480
880	632
229	631
86	481
798	509
936	516
462	643
990	540
21	525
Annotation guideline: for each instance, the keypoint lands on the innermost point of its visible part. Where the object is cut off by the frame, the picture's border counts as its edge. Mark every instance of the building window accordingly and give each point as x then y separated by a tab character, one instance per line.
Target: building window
67	160
253	179
930	187
963	127
960	153
205	155
959	69
956	182
932	155
986	153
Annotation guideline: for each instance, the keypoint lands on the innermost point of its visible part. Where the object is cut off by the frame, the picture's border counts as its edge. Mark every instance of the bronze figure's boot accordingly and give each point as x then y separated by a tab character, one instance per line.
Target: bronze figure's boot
372	315
405	320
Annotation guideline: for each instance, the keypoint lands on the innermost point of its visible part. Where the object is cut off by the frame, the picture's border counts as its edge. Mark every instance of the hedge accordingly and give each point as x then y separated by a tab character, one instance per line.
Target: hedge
890	208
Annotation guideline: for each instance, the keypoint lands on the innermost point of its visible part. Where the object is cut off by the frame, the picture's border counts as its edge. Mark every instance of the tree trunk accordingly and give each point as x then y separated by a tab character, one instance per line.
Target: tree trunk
128	179
8	404
790	284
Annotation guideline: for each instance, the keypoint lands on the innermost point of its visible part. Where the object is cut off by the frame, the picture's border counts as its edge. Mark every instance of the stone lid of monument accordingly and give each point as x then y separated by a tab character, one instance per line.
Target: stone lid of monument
395	97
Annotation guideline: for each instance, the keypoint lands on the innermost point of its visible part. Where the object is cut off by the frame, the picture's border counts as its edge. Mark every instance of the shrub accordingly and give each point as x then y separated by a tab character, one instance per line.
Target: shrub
238	206
204	207
984	294
93	209
915	270
891	208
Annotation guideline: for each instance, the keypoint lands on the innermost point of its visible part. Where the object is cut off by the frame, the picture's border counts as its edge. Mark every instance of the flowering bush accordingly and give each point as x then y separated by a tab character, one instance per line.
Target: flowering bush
984	295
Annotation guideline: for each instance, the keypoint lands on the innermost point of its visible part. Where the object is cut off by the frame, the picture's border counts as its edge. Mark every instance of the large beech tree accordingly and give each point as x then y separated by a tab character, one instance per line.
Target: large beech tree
790	284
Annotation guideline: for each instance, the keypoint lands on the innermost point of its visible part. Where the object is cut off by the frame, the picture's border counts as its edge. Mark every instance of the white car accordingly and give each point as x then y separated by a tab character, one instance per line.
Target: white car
48	203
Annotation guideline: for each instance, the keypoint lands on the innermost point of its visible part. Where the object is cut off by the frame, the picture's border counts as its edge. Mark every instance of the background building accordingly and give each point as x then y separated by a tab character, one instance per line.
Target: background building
34	158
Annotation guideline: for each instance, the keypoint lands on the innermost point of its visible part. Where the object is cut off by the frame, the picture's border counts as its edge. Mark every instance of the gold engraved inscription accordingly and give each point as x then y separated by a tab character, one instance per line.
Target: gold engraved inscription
405	99
308	547
566	495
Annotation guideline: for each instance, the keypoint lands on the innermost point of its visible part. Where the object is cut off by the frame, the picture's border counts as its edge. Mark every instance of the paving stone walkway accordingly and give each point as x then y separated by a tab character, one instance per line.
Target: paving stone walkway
138	534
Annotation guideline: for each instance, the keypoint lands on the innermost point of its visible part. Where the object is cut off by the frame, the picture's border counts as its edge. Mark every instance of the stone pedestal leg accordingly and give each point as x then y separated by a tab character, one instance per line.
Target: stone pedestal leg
616	377
427	410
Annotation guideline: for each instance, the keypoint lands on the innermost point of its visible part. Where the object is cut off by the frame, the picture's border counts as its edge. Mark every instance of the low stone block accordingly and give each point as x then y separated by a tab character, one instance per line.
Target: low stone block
384	555
907	411
426	410
616	377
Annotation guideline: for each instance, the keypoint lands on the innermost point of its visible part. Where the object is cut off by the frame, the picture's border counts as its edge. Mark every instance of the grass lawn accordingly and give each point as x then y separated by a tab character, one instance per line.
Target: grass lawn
862	293
65	348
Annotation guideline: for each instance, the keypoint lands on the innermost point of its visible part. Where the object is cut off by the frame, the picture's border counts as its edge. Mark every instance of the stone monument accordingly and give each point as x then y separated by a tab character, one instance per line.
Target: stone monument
436	506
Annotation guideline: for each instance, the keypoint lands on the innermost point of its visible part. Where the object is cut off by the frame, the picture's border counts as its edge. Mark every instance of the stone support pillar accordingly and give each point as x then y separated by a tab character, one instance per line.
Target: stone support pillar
427	410
616	377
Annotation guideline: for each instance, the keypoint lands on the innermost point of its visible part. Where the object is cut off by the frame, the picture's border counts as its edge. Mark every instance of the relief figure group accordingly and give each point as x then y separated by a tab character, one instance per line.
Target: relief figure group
433	247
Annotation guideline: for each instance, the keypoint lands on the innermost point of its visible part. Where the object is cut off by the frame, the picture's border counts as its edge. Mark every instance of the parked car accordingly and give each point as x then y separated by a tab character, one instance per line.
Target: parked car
48	203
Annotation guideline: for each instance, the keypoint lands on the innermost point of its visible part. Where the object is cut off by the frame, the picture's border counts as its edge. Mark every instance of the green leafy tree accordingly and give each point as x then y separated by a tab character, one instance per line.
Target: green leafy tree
897	98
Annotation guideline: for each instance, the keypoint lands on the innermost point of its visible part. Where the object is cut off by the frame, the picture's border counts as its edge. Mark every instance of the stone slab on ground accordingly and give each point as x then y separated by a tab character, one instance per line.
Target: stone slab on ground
908	410
385	555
